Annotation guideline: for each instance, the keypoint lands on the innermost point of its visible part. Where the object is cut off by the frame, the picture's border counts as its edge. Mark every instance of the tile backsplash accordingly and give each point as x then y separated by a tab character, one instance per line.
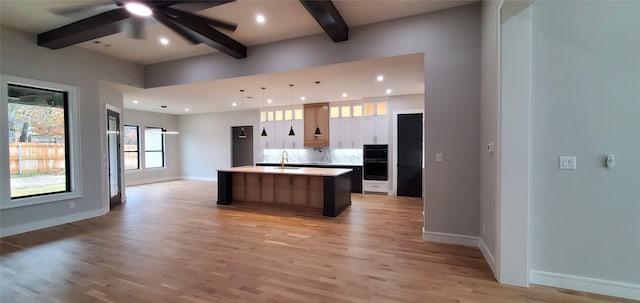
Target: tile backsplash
311	155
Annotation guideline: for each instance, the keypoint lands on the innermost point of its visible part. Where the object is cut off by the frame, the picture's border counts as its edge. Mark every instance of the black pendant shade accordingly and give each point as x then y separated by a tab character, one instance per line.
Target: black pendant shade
317	133
264	132
291	132
243	134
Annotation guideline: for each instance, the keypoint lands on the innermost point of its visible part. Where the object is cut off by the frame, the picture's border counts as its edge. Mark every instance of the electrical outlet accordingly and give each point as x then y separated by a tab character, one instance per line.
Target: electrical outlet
72	204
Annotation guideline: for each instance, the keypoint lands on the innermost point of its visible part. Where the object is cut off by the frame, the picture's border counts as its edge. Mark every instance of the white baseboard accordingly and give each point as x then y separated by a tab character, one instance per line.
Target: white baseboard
449	238
31	226
604	287
488	256
198	178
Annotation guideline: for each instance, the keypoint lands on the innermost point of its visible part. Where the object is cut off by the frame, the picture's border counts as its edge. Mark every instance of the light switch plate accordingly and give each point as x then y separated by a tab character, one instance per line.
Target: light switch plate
567	162
439	157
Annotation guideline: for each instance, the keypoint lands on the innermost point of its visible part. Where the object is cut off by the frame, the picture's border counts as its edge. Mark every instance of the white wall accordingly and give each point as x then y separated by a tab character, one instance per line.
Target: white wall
172	169
489	127
586	103
205	142
450	40
20	56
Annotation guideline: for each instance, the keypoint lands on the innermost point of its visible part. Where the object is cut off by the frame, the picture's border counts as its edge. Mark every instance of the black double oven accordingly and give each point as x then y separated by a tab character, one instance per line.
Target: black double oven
376	163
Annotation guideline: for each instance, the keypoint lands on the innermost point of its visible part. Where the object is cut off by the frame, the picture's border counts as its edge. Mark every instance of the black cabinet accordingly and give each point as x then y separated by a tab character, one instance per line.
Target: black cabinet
356	174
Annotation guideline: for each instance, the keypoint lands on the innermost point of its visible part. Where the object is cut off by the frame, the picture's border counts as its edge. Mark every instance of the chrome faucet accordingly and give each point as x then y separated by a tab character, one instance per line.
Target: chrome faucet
285	157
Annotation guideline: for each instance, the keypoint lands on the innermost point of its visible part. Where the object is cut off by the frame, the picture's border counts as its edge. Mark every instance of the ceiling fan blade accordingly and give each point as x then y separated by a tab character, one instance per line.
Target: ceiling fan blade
134	28
207	34
194	5
178	14
85	9
173	25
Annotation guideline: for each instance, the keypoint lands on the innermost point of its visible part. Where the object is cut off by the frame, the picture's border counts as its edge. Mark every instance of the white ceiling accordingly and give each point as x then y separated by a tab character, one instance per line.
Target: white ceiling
286	19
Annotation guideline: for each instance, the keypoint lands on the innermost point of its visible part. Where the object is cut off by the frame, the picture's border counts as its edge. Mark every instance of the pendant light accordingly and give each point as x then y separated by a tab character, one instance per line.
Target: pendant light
317	133
291	132
243	134
264	131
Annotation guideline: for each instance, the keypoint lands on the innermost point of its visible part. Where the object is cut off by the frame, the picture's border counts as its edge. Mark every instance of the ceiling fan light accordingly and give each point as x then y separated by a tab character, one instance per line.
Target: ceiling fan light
138	9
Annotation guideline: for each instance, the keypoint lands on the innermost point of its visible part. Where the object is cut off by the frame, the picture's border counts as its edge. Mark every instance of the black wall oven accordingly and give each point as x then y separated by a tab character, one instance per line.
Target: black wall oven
376	163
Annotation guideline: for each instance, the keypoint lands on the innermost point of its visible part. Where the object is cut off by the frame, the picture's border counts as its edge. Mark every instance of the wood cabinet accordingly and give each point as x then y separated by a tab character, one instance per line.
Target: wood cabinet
316	116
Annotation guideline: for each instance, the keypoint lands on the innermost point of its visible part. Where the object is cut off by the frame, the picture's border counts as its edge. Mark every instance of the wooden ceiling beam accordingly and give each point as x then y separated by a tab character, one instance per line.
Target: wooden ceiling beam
327	15
98	26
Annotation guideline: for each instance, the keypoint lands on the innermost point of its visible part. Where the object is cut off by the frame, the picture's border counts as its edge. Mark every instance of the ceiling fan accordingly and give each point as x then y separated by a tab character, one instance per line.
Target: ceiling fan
131	15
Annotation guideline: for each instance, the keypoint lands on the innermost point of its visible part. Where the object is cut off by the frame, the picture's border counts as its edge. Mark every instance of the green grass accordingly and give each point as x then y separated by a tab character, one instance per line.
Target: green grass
16	193
27	175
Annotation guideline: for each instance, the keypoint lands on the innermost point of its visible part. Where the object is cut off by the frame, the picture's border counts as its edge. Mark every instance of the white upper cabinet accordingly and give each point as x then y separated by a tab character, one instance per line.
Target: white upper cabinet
375	123
277	124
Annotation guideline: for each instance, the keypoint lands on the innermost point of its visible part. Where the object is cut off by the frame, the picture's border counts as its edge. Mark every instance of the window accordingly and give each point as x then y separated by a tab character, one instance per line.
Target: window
39	143
37	136
153	147
131	147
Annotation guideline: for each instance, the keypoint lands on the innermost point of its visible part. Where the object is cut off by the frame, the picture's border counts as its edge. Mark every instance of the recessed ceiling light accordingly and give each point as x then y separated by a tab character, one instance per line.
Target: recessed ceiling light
260	18
269	101
344	95
164	41
135	101
303	98
186	109
388	91
234	104
138	9
380	78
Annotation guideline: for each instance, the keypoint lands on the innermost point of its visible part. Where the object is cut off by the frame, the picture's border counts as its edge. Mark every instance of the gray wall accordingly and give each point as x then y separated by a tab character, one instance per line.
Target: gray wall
20	56
586	103
172	162
450	40
205	142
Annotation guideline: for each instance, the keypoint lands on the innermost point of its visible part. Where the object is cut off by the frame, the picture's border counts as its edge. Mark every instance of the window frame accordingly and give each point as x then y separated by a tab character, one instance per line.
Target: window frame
72	145
137	148
164	162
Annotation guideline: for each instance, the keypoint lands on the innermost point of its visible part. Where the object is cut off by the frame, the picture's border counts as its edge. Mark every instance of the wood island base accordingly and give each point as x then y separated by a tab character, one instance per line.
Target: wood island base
320	188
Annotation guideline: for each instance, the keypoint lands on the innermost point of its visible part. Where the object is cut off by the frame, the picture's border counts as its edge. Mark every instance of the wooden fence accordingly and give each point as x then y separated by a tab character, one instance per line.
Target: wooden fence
28	157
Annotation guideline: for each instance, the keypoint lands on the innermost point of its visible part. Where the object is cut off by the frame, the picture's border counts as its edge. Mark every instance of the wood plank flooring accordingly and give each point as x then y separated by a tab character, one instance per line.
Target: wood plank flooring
171	243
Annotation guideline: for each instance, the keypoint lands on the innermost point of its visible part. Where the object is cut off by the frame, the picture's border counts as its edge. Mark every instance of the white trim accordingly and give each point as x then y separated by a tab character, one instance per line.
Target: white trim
394	140
31	226
488	256
449	238
198	178
598	286
74	144
151	180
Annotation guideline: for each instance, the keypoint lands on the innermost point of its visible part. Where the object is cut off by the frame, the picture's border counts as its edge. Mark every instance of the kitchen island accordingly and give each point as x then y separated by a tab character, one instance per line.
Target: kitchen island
328	189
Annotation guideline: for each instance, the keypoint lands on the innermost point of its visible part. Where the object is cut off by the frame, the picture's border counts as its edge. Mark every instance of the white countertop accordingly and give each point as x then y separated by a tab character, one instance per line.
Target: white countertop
307	171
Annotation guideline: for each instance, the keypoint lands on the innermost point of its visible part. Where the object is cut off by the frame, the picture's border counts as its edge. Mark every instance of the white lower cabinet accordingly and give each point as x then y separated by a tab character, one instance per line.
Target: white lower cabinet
375	186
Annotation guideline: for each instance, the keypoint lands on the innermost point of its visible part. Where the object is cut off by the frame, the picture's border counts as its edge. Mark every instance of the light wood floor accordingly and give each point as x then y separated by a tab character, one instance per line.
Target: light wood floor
171	243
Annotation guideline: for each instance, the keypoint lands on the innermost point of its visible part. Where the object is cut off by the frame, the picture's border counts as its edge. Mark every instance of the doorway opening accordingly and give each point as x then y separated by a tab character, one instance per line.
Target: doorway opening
113	151
241	148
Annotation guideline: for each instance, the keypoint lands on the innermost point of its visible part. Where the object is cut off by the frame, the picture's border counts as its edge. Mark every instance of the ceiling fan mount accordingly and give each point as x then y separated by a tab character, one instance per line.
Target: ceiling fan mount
131	16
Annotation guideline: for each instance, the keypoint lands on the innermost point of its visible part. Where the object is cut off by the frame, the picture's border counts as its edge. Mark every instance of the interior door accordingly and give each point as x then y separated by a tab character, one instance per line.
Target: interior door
410	155
113	150
241	148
